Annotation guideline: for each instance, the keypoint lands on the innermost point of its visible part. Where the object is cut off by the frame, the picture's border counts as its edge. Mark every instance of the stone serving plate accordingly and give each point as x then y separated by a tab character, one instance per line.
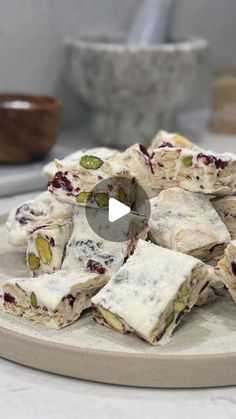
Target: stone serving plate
132	91
201	354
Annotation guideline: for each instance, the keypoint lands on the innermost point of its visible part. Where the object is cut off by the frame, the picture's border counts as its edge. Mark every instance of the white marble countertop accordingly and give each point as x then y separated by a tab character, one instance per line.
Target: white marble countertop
27	393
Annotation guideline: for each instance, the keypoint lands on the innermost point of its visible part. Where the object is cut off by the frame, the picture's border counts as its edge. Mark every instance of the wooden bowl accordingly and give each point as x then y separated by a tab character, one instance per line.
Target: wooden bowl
29	126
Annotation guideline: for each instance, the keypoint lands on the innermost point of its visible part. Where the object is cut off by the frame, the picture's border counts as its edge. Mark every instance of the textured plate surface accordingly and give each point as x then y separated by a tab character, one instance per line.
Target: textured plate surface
202	352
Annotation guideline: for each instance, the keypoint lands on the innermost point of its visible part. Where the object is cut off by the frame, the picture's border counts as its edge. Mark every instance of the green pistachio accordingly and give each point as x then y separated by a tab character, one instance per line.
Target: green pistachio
179	305
170	319
184	290
187	161
83	197
102	199
33	299
121	195
33	261
113	320
91	162
44	249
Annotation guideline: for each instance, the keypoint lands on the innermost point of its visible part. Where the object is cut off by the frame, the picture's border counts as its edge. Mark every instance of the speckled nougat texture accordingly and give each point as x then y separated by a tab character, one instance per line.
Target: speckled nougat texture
151	293
55	300
194	170
187	222
226	268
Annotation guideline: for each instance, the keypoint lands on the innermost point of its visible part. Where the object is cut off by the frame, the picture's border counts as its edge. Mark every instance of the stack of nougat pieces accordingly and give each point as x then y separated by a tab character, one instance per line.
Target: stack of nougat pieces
184	256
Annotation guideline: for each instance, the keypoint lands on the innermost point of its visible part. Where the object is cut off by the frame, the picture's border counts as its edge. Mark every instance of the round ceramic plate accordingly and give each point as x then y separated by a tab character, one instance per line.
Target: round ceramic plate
202	352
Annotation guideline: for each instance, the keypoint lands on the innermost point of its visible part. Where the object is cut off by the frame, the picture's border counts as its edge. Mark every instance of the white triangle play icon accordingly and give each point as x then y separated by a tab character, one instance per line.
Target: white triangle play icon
117	210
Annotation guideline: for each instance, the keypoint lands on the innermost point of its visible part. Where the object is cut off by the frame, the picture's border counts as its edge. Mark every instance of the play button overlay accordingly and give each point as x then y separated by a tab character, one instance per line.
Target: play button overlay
117	210
124	210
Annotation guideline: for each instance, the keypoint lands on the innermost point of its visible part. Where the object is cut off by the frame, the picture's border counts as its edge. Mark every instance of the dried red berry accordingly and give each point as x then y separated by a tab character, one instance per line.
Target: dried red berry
61	181
206	159
94	266
220	164
8	298
147	156
144	150
52	241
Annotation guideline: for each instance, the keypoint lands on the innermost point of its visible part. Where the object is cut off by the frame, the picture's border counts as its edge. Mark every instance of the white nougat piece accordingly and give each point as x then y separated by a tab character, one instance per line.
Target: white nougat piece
46	247
29	214
75	183
226	268
151	293
226	208
213	288
164	162
187	222
138	160
54	300
197	171
88	251
170	139
103	152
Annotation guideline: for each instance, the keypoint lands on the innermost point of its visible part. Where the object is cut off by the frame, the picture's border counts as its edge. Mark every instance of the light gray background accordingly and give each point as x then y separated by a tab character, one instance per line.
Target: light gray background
32	33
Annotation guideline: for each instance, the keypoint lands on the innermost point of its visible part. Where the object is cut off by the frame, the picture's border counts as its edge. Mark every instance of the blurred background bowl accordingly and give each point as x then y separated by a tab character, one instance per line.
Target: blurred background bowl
29	126
132	91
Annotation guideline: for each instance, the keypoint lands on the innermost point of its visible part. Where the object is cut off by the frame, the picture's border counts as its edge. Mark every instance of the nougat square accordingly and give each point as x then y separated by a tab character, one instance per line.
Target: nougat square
187	222
55	300
150	293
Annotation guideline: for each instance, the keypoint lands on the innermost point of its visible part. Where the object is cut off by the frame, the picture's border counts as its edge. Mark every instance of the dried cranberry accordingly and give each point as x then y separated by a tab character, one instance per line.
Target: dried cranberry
61	181
52	241
147	155
94	266
8	298
144	150
220	164
206	159
233	267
